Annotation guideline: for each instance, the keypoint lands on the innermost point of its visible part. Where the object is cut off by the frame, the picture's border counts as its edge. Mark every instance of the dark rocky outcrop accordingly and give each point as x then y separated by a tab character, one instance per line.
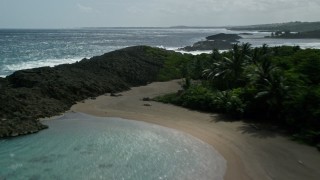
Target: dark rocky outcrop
248	34
224	37
219	41
27	95
208	45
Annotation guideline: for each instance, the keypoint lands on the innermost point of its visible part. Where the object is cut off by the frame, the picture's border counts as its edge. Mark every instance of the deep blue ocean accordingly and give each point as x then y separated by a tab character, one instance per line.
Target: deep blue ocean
27	48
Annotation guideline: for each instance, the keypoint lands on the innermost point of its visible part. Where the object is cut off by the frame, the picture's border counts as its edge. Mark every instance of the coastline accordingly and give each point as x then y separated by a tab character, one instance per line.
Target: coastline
250	153
30	94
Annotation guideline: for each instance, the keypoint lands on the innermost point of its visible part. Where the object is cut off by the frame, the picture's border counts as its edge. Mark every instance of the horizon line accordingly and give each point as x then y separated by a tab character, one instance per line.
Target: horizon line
173	26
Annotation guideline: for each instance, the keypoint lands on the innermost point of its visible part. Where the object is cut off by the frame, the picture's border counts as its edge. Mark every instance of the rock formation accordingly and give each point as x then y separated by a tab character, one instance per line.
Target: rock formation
219	41
27	95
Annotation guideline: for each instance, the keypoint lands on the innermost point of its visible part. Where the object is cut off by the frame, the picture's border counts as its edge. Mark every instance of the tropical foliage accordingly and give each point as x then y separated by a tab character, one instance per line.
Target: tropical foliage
279	85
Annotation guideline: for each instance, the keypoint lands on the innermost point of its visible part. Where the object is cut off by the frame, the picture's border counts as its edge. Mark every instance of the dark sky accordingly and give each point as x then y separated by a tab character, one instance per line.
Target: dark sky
110	13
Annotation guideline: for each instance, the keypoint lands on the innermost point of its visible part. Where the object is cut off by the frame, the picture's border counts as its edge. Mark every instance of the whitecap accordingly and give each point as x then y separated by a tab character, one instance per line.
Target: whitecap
16	166
39	63
194	52
177	49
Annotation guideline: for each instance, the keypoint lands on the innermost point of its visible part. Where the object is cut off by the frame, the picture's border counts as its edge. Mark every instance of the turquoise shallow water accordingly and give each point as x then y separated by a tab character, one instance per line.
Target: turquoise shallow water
79	146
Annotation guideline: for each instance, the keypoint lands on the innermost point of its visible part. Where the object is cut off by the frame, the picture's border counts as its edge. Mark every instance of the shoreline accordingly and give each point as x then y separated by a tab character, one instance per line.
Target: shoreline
250	153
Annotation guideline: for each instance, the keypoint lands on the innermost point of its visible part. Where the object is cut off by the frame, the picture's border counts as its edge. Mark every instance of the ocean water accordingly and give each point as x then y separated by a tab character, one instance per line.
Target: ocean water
27	48
22	49
79	146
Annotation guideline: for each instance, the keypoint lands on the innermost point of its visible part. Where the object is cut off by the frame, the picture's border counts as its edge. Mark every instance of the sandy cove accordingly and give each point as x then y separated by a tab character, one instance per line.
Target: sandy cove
250	153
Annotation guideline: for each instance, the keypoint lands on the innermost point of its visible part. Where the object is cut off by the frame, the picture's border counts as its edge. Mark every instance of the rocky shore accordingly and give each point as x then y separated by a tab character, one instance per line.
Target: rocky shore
28	95
220	41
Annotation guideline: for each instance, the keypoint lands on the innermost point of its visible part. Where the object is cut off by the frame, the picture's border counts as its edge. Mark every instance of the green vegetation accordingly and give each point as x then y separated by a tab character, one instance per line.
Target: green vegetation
275	85
174	67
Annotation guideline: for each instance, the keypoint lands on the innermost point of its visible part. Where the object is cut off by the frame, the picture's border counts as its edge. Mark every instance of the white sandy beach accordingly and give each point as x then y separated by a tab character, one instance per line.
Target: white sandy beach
250	153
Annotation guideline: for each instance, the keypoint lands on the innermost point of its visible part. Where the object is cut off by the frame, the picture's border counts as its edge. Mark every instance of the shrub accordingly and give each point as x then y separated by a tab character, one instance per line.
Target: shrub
230	102
197	97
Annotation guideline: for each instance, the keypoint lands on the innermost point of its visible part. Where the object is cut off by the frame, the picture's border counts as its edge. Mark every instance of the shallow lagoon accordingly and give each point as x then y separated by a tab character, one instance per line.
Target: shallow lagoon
79	146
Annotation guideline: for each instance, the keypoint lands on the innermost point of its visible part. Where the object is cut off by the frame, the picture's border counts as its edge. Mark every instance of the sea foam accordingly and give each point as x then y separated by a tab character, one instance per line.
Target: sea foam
40	63
37	63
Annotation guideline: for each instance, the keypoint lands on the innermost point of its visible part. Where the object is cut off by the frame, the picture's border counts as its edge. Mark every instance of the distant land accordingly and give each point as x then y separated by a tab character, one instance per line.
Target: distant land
289	30
300	35
296	26
195	27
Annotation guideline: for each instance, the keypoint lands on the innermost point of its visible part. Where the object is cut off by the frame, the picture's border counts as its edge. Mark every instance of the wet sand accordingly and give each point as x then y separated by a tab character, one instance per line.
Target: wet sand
251	153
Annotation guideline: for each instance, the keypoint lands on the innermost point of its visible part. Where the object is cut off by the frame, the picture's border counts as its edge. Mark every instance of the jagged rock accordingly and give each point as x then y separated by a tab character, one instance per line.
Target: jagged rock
28	95
115	95
208	45
14	134
219	41
146	99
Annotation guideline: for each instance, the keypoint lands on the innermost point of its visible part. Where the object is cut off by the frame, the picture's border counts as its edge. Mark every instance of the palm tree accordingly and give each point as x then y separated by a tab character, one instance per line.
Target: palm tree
229	70
262	72
273	90
246	50
260	53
